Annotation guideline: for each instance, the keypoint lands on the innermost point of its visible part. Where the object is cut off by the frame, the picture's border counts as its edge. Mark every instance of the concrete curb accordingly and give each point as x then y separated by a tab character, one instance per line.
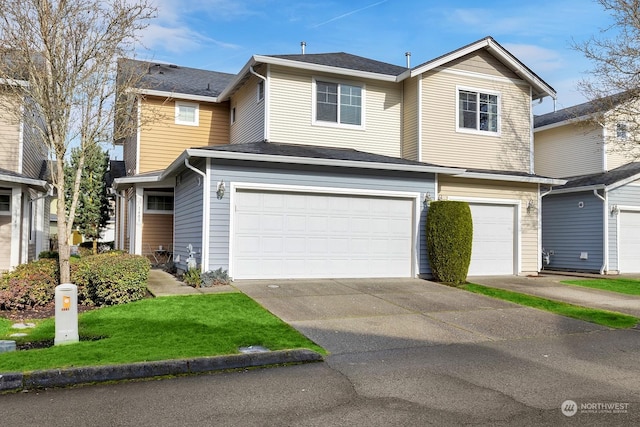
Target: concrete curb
92	374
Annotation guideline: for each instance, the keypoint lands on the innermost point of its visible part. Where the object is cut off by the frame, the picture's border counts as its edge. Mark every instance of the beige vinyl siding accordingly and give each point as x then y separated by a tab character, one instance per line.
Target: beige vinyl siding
619	152
249	124
161	140
484	63
5	242
410	120
443	144
569	150
157	230
130	154
291	114
484	189
34	151
9	142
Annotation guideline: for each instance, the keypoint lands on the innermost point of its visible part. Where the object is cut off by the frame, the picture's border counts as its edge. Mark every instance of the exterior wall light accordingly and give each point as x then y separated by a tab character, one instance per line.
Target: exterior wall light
220	190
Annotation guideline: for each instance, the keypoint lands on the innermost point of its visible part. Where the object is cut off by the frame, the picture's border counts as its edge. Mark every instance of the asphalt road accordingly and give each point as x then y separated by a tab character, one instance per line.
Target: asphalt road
489	383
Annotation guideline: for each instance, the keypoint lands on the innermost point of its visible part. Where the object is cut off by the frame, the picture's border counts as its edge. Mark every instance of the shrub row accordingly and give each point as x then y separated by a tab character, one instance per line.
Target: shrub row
105	279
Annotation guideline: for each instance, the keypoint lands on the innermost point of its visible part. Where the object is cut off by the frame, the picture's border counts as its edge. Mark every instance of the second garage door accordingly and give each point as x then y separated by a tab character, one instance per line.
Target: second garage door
629	257
493	250
315	235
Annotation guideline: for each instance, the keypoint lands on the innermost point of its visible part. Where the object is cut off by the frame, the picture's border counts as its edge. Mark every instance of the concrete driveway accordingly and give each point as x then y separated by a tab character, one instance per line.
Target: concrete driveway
362	315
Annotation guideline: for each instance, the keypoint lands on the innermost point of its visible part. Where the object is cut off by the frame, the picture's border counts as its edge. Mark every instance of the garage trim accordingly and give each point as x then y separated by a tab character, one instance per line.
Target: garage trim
619	209
415	197
517	204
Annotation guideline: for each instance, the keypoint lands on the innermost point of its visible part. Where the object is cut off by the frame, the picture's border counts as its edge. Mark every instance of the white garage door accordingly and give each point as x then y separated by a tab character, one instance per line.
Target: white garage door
493	240
629	258
301	235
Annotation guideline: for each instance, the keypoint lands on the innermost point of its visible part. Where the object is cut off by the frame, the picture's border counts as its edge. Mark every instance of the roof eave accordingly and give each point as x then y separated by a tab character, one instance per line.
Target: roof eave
271	158
578	189
512	178
127	181
325	68
174	95
564	122
38	184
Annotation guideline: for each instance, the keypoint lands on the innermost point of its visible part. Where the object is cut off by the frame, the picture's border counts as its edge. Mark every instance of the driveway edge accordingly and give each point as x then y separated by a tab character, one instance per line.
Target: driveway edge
16	381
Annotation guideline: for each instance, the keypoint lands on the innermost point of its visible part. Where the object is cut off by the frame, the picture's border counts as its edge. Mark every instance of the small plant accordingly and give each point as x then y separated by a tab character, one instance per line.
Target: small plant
217	277
48	255
170	267
192	277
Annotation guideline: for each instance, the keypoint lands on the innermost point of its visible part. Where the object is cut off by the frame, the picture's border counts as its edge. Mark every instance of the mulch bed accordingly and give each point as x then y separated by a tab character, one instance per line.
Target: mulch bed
43	312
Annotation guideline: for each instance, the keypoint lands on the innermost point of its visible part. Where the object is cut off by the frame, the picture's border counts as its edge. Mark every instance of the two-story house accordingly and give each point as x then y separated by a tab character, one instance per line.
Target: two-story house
332	160
23	192
592	223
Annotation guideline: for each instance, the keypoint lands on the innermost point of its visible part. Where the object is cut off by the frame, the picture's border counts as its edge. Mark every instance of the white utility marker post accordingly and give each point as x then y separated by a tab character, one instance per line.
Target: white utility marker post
66	314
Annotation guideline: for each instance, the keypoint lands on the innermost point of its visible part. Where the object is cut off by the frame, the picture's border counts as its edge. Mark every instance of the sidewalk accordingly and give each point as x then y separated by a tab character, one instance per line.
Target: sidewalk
548	286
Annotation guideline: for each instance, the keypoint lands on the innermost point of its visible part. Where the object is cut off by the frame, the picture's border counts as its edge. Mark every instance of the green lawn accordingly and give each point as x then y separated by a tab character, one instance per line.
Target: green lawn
621	286
159	329
601	317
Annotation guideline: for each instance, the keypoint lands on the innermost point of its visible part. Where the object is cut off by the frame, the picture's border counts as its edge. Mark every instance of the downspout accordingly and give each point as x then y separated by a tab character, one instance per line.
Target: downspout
203	251
266	99
605	237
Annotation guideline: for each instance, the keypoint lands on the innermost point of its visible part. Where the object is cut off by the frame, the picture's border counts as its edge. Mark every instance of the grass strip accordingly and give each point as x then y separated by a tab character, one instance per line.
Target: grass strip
159	329
621	286
610	319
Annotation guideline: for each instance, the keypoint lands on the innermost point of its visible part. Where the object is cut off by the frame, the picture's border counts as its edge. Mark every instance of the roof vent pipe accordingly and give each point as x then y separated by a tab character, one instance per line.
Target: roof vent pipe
408	55
303	45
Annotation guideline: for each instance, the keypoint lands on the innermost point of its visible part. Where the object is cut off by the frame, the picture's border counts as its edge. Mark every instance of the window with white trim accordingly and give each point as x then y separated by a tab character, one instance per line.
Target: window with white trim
5	204
187	113
260	93
338	103
158	202
478	111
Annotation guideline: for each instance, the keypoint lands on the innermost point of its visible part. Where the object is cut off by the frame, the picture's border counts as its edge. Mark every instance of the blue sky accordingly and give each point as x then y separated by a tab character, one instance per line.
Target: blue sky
222	35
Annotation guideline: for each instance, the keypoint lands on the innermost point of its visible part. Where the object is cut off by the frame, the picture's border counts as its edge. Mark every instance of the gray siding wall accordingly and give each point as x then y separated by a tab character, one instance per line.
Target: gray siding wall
188	205
568	230
628	195
219	238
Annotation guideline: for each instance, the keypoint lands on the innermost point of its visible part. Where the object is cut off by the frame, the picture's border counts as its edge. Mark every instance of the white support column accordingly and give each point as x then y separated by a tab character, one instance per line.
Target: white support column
16	225
39	224
139	210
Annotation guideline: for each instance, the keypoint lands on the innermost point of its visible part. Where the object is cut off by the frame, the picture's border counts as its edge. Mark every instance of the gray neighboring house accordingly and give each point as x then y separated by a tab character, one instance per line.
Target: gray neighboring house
592	223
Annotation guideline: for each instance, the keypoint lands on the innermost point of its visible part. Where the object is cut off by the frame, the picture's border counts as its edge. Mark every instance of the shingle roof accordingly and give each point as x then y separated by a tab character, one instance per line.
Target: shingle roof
314	152
346	61
602	178
177	79
12	173
579	110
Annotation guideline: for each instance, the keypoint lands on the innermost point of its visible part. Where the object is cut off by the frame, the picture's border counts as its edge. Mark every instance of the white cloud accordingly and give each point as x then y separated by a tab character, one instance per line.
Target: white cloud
537	58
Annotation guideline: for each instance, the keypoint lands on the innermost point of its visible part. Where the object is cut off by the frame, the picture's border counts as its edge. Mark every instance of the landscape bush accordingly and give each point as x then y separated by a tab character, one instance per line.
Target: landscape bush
449	239
217	277
29	285
111	278
192	277
105	279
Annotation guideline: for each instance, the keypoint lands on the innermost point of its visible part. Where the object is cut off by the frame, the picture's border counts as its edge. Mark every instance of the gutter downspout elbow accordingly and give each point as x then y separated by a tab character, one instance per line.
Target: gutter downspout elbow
605	248
196	170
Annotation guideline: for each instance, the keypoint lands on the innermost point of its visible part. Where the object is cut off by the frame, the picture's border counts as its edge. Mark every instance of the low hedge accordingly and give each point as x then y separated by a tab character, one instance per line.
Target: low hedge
29	285
111	278
106	279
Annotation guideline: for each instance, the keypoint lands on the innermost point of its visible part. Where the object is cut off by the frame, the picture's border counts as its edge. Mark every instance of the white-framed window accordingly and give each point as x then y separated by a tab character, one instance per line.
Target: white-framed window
478	111
5	203
338	103
622	131
260	91
158	202
187	113
233	115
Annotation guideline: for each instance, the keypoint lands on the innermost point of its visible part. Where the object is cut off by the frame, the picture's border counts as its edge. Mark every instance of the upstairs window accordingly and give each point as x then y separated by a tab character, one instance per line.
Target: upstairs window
260	93
5	204
622	131
157	202
338	103
187	114
478	111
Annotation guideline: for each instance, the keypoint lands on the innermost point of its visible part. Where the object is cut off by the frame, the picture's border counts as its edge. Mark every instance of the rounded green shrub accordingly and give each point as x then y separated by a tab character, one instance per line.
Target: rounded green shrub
449	240
29	285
